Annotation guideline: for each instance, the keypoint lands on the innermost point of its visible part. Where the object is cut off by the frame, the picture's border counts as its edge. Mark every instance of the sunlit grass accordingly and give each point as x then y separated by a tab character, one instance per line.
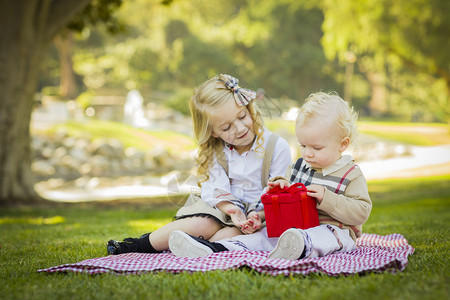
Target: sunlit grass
148	225
404	188
130	137
35	221
419	209
419	134
279	125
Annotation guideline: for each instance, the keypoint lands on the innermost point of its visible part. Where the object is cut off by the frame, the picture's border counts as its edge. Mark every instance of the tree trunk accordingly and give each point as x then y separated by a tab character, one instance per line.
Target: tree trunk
68	84
378	96
26	29
377	104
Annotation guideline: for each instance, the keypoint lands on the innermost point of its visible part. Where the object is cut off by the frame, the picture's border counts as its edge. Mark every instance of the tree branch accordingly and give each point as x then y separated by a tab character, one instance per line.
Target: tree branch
60	13
440	72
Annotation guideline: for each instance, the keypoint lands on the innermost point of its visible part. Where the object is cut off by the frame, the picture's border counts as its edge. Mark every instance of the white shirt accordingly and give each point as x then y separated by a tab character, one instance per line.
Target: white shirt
245	171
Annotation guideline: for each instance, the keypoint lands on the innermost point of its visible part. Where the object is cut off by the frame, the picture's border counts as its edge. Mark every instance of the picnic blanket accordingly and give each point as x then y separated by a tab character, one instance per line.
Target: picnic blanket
374	253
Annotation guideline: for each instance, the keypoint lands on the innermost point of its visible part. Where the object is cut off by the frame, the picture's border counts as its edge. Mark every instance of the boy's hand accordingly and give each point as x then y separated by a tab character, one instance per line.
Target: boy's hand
316	191
280	182
252	224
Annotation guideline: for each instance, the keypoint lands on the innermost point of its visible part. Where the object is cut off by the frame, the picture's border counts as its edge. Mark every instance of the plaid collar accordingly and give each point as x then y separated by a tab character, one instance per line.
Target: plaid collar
339	164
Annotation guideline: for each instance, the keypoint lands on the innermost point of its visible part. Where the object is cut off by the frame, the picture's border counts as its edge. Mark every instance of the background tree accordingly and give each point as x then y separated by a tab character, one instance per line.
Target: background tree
26	30
289	61
270	44
401	47
97	12
289	48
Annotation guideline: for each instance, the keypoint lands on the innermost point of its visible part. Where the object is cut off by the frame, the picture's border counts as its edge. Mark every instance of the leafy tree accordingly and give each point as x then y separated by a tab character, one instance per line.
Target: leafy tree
290	62
270	44
27	29
97	12
392	40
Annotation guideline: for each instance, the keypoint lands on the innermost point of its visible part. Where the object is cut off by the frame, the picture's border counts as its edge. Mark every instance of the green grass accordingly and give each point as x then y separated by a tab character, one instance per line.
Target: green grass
421	134
41	237
418	134
130	137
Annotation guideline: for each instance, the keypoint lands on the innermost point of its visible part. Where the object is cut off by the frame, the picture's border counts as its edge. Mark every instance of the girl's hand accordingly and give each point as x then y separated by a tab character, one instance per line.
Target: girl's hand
316	191
237	216
280	182
252	224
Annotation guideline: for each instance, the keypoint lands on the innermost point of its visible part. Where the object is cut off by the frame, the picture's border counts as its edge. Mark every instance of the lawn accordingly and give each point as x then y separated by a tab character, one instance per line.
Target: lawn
417	134
129	136
421	134
32	238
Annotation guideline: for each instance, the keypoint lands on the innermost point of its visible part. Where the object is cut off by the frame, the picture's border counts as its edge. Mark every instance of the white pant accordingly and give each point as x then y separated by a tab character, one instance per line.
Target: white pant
319	241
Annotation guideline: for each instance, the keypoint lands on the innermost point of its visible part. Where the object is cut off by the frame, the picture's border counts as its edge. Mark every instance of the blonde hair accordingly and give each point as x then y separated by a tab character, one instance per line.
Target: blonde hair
204	98
330	105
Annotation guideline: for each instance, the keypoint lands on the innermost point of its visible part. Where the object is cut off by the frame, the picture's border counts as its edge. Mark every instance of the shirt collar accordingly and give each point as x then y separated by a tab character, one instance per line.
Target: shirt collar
339	164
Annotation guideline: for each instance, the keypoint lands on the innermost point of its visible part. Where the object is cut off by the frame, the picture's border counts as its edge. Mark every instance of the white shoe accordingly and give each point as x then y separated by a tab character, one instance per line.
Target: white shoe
290	245
182	244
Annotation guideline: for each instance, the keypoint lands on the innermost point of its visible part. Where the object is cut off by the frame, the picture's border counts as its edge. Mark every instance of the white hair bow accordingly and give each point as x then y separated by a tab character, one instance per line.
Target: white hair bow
241	95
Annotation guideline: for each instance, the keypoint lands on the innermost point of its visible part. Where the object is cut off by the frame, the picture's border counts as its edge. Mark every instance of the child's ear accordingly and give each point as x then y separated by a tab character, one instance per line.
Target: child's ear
213	134
345	142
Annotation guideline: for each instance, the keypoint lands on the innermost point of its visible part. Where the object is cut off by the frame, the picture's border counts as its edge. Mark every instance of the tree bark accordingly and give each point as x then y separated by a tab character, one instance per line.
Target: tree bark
68	85
26	29
378	96
377	104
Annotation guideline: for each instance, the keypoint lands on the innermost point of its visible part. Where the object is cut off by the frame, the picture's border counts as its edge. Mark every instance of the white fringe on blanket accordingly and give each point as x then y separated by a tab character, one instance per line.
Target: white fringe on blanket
374	253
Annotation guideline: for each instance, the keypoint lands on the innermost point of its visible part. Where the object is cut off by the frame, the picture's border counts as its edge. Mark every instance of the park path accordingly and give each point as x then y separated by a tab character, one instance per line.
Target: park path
423	161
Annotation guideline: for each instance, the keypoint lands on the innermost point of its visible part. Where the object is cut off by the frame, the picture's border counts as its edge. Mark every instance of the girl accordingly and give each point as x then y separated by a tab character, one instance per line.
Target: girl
325	127
232	144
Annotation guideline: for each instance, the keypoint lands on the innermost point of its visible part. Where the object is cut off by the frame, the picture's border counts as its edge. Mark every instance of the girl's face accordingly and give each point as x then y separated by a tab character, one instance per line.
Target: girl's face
321	145
234	125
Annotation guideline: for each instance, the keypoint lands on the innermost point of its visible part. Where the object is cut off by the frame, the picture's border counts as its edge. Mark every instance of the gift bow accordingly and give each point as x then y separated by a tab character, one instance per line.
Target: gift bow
295	188
241	96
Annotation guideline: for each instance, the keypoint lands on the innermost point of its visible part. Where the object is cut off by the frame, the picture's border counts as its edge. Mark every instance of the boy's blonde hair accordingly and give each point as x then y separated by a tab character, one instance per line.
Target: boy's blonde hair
330	105
207	97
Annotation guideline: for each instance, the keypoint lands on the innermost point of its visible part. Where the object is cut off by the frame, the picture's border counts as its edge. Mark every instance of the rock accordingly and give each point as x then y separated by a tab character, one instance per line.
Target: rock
149	163
79	153
71	158
107	148
133	152
162	158
69	142
99	165
46	152
42	168
59	152
37	142
82	143
85	169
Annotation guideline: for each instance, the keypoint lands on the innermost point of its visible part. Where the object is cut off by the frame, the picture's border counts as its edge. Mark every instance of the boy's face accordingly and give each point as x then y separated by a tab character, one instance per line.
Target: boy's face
321	145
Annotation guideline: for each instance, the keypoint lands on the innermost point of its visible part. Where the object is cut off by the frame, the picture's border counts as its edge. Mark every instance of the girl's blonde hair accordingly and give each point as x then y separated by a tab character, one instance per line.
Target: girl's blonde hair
207	97
330	105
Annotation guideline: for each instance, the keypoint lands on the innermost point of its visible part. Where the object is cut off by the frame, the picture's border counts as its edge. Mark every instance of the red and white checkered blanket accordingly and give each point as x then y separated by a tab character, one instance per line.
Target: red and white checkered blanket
374	253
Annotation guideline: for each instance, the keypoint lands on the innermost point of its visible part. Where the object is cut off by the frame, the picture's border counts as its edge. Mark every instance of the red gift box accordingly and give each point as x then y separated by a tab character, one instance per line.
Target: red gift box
287	208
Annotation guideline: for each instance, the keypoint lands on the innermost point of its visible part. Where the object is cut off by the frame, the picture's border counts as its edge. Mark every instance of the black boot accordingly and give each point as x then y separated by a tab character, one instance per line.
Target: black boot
144	235
141	245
